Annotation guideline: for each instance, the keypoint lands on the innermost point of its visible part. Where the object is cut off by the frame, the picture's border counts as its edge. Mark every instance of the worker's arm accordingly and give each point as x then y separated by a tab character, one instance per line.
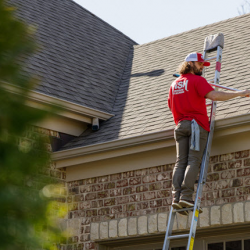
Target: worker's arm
223	96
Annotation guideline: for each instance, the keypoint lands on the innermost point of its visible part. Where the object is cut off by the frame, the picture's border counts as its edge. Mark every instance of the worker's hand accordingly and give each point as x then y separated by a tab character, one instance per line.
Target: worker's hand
244	93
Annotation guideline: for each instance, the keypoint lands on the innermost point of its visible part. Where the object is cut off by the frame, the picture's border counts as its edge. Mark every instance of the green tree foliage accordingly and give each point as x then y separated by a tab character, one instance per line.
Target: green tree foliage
25	212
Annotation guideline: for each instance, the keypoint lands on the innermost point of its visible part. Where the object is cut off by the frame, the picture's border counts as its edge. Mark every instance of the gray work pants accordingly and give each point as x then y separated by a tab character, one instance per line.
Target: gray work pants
187	161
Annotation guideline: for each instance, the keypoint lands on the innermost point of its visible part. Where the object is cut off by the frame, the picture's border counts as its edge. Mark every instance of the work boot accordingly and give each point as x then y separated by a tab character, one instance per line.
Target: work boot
187	203
176	205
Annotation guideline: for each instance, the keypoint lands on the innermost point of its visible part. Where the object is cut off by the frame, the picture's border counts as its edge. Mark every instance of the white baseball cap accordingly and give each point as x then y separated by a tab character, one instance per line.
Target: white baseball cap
196	57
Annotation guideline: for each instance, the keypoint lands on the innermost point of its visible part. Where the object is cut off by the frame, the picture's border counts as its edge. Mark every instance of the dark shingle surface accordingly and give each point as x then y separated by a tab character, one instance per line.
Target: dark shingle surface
141	103
82	57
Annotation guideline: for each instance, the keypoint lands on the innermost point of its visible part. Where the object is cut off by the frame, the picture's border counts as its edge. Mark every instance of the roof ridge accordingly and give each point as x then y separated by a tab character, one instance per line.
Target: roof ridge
184	32
103	21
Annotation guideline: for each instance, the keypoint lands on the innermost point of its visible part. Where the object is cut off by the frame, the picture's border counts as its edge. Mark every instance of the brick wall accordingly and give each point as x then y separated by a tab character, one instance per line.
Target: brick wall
146	193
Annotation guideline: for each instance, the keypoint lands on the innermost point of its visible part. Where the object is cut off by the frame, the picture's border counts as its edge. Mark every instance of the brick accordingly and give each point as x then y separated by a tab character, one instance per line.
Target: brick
129	190
141	188
162	222
228	174
247	209
227	157
113	229
115	177
238	182
247	181
219	167
213	177
214	159
90	213
122	227
90	246
152	223
116	209
109	202
94	231
85	237
149	196
85	205
130	207
215	215
91	180
154	170
104	230
228	192
148	179
222	201
167	184
227	214
204	218
238	212
132	226
104	211
128	174
135	181
122	200
135	197
97	187
242	191
97	204
122	183
103	194
103	179
155	186
142	225
243	172
247	162
235	164
74	190
142	205
164	176
109	185
155	203
168	167
242	154
85	221
85	189
141	172
212	195
90	196
163	193
115	192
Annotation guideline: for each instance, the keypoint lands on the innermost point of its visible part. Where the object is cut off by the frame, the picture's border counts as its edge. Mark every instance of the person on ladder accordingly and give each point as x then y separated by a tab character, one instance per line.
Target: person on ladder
186	100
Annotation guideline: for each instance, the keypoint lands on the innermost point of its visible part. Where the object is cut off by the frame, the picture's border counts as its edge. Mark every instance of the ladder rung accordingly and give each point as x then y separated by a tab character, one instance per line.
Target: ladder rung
211	58
180	236
183	209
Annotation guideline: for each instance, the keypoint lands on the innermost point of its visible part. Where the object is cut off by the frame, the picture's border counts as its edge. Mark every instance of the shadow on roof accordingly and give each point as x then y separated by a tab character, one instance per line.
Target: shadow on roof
157	72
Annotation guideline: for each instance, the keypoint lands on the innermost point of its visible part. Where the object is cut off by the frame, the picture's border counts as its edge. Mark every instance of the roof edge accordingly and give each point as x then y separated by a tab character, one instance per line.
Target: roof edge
184	32
104	22
47	100
220	127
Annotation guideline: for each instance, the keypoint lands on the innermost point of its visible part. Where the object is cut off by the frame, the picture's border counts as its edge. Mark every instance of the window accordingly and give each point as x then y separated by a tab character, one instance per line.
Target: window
243	244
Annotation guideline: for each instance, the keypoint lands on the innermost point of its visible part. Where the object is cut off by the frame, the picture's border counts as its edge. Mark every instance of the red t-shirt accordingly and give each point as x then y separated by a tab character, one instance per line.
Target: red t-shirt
187	99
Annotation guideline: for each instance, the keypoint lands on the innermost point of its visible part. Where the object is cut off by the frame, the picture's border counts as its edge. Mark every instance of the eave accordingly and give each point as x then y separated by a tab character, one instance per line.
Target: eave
70	118
164	139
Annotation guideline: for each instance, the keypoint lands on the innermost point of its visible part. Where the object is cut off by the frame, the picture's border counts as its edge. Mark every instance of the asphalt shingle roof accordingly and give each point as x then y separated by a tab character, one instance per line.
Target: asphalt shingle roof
82	57
141	102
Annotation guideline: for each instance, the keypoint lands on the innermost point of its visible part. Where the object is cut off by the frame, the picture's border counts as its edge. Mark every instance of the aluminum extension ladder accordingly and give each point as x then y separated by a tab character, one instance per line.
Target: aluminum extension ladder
212	43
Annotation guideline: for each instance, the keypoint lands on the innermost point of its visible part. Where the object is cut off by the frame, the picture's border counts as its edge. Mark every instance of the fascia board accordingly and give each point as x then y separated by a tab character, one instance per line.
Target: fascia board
70	110
67	158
